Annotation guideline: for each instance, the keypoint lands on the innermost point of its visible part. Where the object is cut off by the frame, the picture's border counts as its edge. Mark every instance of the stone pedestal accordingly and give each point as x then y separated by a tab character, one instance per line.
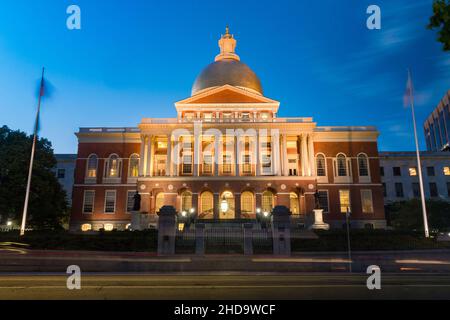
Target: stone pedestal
200	239
248	238
318	221
167	223
281	231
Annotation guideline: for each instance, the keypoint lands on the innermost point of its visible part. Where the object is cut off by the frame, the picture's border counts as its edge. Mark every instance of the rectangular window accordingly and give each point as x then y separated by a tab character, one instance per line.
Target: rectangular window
266	162
208	117
396	171
430	171
61	173
323	200
207	164
245	116
384	190
433	190
399	190
446	171
344	200
412	171
130	200
226	164
416	189
187	164
246	164
110	201
382	171
366	201
88	201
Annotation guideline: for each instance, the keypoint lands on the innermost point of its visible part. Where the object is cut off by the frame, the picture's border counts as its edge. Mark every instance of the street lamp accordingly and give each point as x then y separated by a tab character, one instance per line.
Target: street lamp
183	213
9	223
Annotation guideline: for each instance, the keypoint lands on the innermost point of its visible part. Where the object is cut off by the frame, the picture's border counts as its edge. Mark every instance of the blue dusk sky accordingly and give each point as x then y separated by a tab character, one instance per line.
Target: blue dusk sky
135	58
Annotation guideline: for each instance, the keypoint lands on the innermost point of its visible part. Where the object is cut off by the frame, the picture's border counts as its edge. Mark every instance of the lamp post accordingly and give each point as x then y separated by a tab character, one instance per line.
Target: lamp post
347	222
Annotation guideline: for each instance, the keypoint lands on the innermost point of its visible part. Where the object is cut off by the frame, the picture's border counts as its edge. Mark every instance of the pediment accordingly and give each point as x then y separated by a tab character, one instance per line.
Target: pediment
226	94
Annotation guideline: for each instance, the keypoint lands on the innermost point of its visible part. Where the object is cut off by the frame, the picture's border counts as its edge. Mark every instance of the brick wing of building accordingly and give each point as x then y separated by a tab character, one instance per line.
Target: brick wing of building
227	145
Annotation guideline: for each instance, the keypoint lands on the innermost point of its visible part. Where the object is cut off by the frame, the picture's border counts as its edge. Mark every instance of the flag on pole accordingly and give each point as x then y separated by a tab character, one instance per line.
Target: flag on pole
408	92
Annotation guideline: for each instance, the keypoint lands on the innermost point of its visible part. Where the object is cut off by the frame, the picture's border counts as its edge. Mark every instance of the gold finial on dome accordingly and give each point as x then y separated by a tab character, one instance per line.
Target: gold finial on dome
227	45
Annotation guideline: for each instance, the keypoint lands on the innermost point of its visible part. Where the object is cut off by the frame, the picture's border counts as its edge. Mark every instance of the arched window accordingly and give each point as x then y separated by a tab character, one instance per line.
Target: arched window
133	169
206	205
159	201
294	204
92	163
113	168
321	165
341	162
363	165
267	201
186	201
247	203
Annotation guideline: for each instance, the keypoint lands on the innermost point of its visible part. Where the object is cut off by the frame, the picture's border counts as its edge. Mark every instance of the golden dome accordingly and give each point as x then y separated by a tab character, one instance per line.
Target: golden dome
227	69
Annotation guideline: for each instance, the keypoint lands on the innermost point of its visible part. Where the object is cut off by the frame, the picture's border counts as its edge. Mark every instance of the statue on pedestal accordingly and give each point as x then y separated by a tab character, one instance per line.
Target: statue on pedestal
316	200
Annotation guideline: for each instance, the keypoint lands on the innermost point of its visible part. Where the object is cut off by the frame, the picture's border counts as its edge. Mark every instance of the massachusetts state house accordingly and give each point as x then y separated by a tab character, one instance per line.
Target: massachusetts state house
227	145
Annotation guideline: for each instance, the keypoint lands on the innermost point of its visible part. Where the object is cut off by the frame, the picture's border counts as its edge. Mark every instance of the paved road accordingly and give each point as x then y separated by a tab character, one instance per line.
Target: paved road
226	286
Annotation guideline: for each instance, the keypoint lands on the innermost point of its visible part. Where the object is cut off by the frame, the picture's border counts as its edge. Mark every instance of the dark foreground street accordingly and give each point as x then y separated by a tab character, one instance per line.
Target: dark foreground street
226	286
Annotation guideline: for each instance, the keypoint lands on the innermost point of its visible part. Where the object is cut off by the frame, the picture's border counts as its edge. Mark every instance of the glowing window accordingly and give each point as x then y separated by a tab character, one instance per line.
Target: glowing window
413	171
92	166
344	200
113	167
159	201
206	205
86	227
186	201
446	171
294	204
134	166
108	227
267	201
247	203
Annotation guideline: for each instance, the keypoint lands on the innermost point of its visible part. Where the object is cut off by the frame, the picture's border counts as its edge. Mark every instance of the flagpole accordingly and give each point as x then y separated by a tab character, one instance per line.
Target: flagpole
419	166
30	170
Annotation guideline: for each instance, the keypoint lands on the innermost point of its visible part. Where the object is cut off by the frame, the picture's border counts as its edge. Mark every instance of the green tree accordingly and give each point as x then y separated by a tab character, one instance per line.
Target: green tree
47	204
407	215
441	20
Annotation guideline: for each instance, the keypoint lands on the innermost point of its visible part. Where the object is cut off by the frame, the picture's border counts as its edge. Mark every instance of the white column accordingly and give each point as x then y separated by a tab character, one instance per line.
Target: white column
217	148
304	155
148	170
175	155
142	156
196	150
285	155
275	152
169	156
237	155
312	164
258	155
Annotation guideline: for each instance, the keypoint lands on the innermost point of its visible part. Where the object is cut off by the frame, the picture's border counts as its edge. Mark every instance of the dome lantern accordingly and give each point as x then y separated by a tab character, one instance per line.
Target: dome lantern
227	69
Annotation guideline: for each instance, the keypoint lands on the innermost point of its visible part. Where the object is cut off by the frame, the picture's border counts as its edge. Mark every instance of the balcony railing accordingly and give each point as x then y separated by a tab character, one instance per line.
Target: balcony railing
233	120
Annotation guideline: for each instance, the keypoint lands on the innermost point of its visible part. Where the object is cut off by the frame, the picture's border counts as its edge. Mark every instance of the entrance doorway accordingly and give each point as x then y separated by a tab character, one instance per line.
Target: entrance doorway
229	198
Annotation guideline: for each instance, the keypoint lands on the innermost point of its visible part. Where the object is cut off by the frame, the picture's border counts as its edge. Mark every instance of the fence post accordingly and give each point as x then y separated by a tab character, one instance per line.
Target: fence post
281	231
167	223
248	238
200	238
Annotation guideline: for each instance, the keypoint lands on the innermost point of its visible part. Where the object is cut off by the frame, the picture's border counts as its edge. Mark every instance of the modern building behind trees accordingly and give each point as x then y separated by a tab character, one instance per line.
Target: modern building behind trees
437	126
